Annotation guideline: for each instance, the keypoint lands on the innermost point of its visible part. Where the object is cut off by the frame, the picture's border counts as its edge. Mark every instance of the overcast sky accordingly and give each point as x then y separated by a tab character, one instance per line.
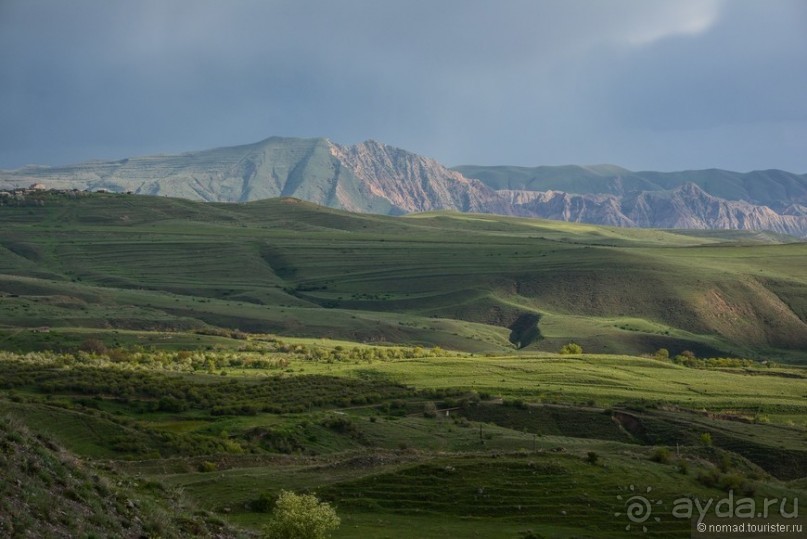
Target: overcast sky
662	85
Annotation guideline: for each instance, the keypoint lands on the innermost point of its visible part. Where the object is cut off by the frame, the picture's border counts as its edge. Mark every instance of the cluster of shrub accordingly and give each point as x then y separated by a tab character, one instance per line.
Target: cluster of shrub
151	391
688	359
720	473
366	353
252	355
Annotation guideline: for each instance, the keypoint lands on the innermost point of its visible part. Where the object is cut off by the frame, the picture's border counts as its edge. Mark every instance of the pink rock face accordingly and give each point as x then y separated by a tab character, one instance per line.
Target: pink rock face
414	183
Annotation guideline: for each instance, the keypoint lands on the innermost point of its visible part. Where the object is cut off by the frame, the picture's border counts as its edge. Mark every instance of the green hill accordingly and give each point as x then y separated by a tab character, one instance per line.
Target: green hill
111	265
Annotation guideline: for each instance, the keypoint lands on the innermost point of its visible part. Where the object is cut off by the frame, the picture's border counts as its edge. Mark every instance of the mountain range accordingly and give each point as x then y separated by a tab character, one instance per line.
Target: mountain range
372	177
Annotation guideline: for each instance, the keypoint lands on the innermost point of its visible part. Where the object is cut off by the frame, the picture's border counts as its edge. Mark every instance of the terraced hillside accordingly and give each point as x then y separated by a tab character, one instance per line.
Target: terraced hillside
106	264
401	441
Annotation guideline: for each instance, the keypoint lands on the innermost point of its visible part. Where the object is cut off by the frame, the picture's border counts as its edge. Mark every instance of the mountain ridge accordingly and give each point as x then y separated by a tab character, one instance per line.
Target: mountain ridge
772	187
372	177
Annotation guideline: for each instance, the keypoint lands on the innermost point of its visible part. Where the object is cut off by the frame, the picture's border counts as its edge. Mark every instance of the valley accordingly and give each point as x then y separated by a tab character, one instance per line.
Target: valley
404	369
403	270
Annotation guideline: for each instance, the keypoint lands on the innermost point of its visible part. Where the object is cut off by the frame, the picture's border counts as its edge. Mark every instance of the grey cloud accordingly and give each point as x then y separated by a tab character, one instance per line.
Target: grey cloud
744	70
520	81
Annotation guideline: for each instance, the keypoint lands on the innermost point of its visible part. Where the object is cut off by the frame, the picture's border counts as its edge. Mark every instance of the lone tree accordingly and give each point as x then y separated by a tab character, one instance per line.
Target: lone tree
571	348
301	516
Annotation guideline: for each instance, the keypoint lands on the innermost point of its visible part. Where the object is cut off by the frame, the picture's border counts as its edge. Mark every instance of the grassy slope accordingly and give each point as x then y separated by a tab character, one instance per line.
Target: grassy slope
48	492
128	262
486	470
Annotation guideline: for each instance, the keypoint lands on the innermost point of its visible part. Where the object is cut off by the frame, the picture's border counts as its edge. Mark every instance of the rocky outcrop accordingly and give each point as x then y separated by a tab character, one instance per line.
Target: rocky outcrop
600	209
776	189
414	183
687	206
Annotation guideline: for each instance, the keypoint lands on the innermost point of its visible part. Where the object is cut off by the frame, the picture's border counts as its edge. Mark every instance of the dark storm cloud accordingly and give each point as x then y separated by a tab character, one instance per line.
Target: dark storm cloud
646	84
716	78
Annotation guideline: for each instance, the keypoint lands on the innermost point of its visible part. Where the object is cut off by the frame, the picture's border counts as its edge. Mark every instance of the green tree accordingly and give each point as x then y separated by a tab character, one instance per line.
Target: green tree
571	348
429	409
93	346
661	455
301	516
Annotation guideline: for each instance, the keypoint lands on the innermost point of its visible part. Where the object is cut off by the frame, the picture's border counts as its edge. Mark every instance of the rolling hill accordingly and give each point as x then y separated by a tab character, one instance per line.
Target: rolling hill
111	264
168	367
371	177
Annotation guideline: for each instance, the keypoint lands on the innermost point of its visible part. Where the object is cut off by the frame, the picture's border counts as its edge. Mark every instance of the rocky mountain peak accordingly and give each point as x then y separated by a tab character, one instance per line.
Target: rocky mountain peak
411	182
691	189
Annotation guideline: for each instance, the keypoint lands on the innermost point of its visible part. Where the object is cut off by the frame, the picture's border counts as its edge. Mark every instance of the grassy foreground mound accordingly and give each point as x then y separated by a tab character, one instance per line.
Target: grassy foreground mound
48	492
